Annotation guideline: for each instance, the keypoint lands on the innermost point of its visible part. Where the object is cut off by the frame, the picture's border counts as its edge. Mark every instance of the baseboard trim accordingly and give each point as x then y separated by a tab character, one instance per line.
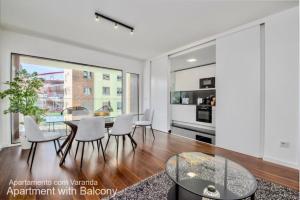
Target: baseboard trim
8	145
279	162
268	159
192	139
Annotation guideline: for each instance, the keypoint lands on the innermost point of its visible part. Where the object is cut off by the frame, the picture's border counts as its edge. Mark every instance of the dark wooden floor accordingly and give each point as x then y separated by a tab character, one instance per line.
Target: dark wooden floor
128	169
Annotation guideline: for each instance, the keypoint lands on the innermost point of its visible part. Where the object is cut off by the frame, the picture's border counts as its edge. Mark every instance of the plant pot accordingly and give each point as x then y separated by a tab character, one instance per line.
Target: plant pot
22	138
24	142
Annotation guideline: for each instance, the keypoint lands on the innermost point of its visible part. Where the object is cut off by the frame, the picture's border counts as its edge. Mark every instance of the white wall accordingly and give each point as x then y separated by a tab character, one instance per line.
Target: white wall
147	85
238	91
186	115
160	93
280	81
282	87
24	44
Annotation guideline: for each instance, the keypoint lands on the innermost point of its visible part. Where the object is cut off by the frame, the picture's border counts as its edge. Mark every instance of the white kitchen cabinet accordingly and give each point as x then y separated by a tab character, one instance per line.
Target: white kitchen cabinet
188	80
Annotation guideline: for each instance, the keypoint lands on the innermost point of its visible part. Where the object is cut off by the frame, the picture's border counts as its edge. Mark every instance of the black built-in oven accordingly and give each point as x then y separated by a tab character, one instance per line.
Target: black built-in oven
204	113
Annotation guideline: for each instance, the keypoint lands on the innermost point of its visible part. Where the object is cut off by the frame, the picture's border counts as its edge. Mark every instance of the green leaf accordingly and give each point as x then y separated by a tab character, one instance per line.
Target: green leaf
23	94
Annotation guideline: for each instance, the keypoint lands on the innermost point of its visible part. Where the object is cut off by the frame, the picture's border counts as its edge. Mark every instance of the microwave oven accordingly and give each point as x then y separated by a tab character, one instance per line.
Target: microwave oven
207	82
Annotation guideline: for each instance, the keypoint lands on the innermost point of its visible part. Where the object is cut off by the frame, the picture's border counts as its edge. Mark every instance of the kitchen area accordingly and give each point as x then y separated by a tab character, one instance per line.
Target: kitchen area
193	93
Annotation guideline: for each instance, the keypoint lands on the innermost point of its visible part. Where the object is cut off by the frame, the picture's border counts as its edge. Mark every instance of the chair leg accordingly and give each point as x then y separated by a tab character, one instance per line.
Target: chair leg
133	147
98	146
30	152
100	141
33	154
107	142
145	132
132	140
93	145
117	139
133	130
123	139
55	147
82	155
76	150
152	131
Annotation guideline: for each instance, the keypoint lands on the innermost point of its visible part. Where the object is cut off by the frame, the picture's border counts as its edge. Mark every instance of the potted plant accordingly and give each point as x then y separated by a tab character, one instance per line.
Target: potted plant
23	97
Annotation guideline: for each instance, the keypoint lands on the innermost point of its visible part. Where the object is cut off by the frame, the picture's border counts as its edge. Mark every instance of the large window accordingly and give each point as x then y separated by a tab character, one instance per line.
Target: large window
69	84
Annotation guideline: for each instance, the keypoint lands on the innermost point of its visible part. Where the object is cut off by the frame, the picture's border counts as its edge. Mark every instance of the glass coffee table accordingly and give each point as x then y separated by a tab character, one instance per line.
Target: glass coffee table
201	176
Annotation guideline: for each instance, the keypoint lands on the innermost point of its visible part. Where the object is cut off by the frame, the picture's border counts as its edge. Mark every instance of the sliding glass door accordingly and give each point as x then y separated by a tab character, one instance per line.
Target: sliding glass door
132	93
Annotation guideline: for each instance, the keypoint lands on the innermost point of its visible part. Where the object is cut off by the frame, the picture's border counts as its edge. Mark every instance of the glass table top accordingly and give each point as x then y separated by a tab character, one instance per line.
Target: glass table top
69	117
213	177
74	118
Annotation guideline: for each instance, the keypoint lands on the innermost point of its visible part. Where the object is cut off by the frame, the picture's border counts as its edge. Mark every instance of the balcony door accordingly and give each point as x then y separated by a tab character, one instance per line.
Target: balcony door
132	93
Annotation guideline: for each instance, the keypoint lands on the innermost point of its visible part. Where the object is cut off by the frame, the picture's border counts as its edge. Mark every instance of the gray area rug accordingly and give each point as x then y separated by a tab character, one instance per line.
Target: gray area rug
156	188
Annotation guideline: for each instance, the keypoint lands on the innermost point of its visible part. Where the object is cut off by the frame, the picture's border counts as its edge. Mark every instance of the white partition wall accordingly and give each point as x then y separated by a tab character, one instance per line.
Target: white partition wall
160	93
238	91
282	88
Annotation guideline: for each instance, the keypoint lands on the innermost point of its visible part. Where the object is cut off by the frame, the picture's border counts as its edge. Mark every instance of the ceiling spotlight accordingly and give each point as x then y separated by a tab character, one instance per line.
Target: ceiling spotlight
116	22
191	60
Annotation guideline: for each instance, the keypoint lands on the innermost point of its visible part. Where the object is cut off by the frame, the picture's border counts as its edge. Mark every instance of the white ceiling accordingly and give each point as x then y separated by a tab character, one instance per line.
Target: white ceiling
161	25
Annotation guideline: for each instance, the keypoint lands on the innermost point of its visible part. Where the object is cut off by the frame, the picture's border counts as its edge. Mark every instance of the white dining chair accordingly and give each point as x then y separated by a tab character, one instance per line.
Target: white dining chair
122	127
145	121
74	111
90	129
35	136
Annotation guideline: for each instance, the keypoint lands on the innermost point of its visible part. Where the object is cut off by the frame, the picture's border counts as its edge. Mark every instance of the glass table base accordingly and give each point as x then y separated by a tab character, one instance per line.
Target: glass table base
176	192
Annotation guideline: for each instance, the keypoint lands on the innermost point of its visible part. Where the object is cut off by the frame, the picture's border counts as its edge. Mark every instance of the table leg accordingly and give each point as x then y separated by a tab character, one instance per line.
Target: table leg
64	143
176	191
70	141
131	138
143	134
